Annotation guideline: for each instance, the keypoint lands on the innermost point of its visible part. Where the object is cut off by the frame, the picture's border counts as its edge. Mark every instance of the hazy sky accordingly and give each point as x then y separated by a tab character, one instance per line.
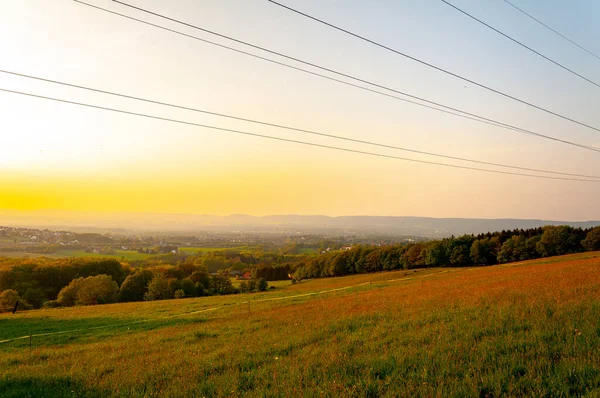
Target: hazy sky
60	156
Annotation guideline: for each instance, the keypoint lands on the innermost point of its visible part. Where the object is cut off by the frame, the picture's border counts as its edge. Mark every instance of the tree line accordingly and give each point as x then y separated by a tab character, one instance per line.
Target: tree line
44	282
466	250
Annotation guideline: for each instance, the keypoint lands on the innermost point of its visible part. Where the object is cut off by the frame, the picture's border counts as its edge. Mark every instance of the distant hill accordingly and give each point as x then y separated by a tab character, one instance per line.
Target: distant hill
421	226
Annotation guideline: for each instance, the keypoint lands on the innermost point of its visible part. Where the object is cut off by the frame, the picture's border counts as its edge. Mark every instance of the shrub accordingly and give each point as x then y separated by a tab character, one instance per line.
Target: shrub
262	284
51	304
200	291
8	299
179	293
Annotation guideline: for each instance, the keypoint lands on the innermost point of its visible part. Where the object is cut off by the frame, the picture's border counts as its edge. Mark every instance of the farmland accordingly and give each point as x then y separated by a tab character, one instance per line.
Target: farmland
126	255
519	329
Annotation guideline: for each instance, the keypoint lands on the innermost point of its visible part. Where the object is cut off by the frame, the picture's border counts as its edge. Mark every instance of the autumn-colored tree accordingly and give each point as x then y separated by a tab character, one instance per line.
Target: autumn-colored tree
159	288
99	289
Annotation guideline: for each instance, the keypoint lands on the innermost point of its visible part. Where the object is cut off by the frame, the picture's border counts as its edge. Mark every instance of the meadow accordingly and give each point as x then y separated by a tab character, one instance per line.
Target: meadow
518	329
126	255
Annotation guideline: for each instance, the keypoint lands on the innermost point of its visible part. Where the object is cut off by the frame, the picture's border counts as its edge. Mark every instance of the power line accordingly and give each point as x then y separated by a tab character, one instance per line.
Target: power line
553	30
522	45
434	67
466	115
463	115
270	124
121	111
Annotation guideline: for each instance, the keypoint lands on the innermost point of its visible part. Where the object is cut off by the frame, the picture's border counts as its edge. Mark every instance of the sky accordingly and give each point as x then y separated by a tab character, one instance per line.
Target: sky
56	156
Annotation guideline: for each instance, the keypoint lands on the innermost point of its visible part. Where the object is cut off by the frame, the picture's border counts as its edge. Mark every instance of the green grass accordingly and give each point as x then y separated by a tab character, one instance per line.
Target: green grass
529	329
306	250
128	255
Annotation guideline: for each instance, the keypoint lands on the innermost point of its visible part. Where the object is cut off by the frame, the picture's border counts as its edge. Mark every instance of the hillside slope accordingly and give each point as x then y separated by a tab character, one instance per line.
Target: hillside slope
521	329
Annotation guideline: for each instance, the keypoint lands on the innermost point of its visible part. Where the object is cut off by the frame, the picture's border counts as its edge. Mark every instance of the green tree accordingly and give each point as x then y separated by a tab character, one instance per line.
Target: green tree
189	288
592	240
135	286
159	288
68	294
556	241
484	251
221	284
100	289
262	284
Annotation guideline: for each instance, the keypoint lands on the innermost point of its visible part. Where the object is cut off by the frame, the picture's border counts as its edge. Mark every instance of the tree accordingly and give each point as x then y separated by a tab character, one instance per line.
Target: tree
262	284
435	254
8	299
506	253
484	251
135	286
221	284
100	289
92	290
68	294
159	288
201	275
189	288
557	241
592	240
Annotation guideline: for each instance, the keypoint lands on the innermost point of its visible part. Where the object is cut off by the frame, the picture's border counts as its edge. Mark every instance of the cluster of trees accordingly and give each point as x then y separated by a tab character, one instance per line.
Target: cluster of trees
84	281
278	272
466	250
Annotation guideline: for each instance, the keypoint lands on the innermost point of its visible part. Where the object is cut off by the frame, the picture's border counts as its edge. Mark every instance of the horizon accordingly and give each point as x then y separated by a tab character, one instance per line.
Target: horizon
133	213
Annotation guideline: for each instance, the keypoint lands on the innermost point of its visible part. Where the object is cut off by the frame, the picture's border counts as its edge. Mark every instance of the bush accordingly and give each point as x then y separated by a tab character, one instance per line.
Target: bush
8	299
179	294
262	284
51	304
200	291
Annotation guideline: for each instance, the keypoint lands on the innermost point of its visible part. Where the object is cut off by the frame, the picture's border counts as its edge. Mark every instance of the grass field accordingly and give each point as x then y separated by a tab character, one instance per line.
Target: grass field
523	329
195	250
127	255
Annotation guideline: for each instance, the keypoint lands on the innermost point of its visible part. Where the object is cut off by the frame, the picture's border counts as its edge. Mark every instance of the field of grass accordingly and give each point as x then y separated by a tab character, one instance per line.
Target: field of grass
195	250
125	254
524	329
306	250
128	255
